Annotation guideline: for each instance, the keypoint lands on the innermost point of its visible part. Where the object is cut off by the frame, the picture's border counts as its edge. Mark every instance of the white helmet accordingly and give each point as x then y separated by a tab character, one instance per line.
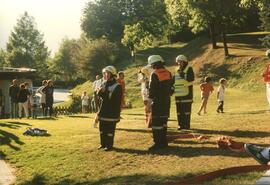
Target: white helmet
155	58
110	69
181	58
267	53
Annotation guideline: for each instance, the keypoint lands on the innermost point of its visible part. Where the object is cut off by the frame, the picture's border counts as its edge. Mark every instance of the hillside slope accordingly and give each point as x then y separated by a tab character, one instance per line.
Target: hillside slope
243	68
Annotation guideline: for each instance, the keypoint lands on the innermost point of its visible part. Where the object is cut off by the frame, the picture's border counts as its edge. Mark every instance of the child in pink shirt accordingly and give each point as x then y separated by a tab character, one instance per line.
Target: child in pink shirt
206	89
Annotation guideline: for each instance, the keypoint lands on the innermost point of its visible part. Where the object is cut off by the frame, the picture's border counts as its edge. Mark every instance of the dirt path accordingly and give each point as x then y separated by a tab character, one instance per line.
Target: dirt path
6	175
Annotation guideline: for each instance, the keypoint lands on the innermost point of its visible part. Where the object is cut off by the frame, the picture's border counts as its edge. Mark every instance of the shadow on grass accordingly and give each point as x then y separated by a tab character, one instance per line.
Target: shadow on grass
134	130
236	133
249	112
8	138
14	124
186	152
129	179
47	118
78	116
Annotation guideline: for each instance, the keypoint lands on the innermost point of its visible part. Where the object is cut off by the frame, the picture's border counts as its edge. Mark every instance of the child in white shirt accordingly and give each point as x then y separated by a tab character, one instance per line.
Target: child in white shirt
220	95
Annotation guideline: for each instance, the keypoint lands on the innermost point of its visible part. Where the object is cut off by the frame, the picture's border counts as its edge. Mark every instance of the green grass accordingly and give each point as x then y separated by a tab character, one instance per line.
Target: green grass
70	155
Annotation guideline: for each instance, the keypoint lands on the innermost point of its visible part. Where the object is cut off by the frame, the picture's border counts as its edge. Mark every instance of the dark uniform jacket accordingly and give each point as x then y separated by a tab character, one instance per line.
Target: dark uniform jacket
111	101
23	95
13	93
188	77
160	91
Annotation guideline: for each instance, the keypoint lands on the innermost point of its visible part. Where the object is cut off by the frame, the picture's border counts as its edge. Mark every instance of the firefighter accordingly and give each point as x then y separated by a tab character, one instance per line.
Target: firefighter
109	114
160	90
183	91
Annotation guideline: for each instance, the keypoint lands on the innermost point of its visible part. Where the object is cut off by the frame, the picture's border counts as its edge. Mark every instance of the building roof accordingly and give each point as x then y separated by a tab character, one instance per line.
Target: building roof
16	70
10	73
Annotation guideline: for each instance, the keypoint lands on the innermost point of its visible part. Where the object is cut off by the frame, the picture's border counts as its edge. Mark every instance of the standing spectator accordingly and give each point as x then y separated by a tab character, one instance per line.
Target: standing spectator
266	78
27	87
143	78
48	91
109	113
206	89
23	101
183	91
85	102
96	99
220	95
121	81
34	101
13	94
43	96
160	91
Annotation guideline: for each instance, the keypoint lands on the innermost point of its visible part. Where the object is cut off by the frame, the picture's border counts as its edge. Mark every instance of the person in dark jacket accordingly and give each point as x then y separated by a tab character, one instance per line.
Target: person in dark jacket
48	91
13	94
183	91
160	90
23	100
109	113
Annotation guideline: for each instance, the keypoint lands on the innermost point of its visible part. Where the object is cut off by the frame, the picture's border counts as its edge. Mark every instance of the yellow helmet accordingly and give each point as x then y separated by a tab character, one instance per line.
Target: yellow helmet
155	58
181	58
110	69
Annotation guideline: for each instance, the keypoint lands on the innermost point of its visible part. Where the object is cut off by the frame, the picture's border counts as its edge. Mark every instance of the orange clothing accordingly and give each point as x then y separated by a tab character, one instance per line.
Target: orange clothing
123	86
266	74
206	89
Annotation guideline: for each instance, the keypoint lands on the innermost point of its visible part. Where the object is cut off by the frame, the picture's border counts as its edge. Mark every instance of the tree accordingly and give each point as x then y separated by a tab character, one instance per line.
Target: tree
95	55
26	47
265	22
63	65
107	18
2	58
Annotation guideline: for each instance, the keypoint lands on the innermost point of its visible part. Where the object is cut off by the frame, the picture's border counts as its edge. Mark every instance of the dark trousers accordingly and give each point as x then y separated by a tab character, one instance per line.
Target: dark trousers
49	107
183	114
14	109
220	106
107	131
159	130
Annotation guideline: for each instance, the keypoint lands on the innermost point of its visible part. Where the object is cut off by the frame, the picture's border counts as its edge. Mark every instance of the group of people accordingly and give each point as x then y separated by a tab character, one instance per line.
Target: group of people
24	100
157	86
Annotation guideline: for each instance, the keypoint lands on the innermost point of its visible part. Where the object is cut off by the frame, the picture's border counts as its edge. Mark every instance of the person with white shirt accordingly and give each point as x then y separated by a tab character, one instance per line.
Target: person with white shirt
85	102
220	95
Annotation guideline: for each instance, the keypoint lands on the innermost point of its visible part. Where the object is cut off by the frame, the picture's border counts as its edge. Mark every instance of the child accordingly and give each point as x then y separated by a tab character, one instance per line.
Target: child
34	101
220	95
85	102
206	89
143	78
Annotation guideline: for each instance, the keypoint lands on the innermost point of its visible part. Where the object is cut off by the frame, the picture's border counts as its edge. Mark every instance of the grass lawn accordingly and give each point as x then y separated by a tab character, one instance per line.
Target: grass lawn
70	155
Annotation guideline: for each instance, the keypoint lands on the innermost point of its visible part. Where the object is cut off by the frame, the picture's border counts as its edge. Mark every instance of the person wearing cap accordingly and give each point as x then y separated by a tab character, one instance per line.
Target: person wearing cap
160	90
109	113
121	81
143	78
266	78
183	91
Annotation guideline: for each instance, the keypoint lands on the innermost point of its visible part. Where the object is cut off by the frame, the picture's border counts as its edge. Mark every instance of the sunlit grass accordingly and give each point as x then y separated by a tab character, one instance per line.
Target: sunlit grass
70	154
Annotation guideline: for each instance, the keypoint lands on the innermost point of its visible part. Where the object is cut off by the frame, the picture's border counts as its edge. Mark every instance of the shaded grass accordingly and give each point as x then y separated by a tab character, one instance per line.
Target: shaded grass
69	155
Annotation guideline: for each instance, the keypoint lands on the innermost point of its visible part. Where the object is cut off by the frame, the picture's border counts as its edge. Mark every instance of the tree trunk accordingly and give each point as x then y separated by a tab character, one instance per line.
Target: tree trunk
213	36
226	50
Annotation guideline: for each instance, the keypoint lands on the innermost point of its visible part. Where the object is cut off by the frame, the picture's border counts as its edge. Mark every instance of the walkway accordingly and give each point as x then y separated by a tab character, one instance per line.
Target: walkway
264	180
6	175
